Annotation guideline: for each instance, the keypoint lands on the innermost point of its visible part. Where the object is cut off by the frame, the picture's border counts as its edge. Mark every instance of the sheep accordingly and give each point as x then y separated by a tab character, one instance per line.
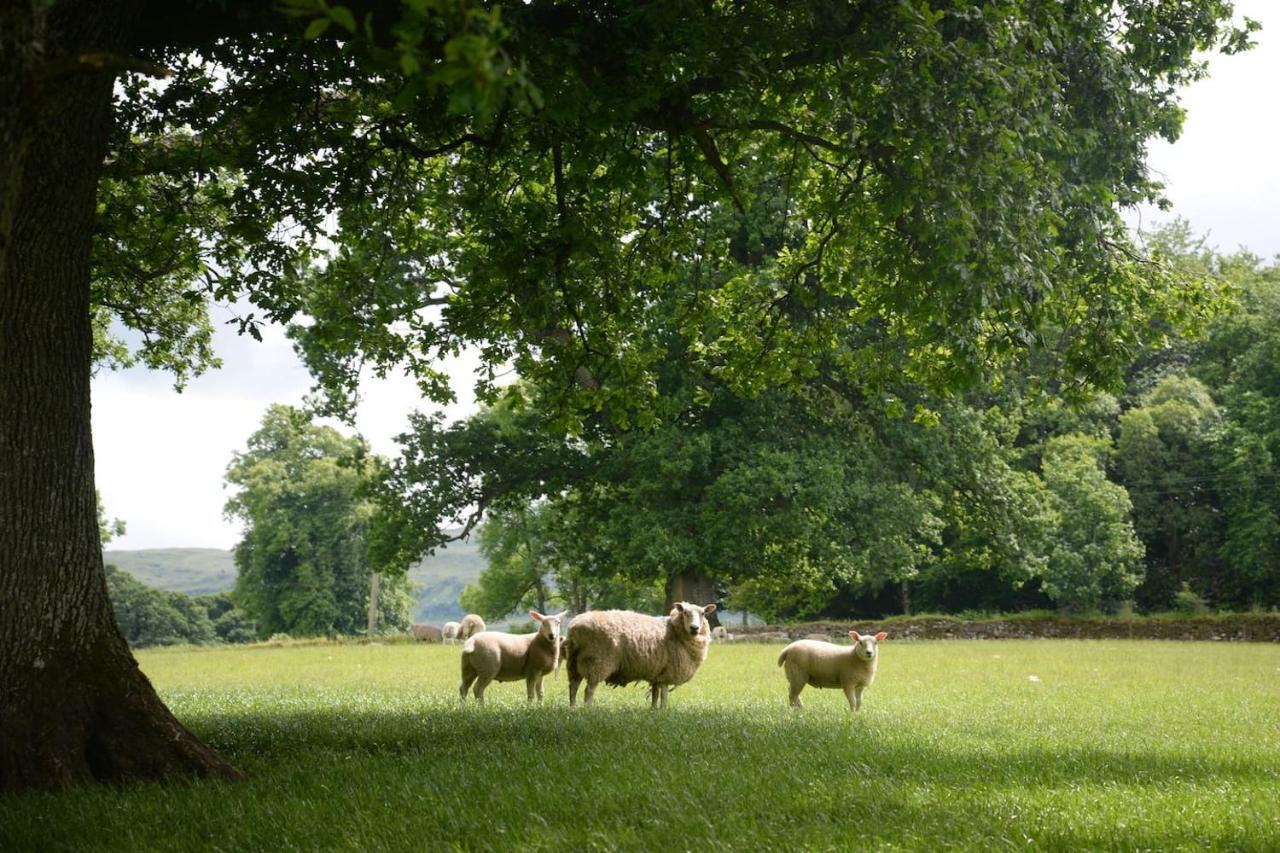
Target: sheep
719	632
495	656
425	633
470	625
451	630
851	668
621	646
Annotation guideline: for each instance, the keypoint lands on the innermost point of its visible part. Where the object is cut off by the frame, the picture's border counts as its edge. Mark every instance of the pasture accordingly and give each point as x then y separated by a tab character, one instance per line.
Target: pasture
1112	745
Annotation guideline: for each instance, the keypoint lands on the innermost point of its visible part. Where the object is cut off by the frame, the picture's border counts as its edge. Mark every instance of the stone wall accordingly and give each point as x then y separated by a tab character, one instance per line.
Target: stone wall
1256	628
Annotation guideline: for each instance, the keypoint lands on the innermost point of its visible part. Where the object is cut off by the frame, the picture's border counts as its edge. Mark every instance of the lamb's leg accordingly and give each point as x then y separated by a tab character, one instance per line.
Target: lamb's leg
853	692
857	697
662	691
795	696
574	681
537	685
533	685
590	694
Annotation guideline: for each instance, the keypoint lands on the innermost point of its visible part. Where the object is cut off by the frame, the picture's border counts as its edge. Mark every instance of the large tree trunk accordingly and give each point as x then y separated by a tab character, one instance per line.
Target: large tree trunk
73	704
694	588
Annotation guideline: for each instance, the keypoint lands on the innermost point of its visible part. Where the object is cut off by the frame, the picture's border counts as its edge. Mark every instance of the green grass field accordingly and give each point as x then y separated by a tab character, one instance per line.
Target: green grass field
1117	745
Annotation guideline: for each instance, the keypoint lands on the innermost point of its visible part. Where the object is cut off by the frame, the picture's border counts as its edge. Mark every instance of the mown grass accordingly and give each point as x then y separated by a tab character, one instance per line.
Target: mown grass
1117	745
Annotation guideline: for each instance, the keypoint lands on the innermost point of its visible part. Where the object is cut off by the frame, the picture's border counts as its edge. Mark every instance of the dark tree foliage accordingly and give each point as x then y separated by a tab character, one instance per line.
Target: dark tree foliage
156	617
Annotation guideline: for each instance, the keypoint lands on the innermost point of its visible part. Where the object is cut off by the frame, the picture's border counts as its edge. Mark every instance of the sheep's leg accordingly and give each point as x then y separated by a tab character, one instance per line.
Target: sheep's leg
468	677
537	685
853	693
589	695
481	684
574	681
533	686
660	697
795	683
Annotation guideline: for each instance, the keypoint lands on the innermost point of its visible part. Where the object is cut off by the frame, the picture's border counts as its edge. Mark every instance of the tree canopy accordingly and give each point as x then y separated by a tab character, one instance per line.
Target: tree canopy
928	189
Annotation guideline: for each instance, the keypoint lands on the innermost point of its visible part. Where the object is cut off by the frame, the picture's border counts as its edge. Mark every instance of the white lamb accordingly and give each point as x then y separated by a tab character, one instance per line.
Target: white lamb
470	625
451	631
495	656
822	664
620	646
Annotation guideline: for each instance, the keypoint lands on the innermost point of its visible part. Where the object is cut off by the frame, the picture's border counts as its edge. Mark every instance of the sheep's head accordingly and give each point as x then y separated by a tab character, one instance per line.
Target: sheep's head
689	618
865	644
549	626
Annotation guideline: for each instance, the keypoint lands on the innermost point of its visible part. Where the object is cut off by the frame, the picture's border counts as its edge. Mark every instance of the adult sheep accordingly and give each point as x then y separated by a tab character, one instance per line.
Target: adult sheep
451	631
425	633
470	625
620	646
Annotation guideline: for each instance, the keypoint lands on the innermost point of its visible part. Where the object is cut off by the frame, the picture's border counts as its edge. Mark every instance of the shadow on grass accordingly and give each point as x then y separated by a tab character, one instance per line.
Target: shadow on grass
844	746
511	777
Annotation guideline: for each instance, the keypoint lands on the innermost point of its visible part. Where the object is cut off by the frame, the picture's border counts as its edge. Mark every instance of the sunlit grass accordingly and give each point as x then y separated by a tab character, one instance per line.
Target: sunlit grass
1119	745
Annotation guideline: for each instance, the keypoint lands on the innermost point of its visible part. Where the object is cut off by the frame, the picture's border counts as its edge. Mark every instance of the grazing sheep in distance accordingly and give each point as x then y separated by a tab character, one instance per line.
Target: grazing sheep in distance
821	664
451	631
721	634
496	656
470	625
621	646
426	633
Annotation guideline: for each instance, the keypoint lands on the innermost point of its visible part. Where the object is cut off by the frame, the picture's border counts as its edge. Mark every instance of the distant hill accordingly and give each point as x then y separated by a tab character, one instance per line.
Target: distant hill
195	571
441	578
200	571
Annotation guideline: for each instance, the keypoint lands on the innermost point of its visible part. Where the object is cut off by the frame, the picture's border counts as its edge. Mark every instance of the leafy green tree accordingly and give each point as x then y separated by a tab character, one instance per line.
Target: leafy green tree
1240	360
303	567
514	541
1167	460
1095	560
544	176
154	617
229	622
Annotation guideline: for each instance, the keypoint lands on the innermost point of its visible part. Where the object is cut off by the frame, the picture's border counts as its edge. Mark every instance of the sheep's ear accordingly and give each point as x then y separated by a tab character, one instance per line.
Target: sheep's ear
710	608
855	635
881	636
536	615
561	614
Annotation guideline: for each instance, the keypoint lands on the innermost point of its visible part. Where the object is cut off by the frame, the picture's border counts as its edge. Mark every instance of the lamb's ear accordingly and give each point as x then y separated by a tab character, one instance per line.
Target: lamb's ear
561	614
855	635
710	608
538	617
881	636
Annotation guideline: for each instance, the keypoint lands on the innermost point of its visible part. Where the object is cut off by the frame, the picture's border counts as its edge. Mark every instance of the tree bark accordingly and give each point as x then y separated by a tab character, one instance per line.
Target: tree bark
375	583
74	705
694	588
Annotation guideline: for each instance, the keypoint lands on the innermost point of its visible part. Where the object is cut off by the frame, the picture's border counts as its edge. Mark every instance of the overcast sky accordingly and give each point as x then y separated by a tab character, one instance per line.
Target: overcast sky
161	456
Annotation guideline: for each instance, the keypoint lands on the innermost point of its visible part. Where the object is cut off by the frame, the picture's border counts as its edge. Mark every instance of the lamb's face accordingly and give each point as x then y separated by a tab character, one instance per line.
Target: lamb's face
865	645
548	626
690	618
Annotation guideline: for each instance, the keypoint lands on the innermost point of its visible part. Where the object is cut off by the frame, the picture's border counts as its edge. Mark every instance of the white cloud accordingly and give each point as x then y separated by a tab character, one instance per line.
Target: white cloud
161	455
1223	175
